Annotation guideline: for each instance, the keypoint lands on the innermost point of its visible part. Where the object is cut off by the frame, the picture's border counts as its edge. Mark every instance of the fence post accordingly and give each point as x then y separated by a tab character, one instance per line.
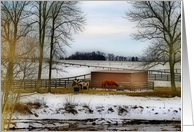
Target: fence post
31	83
167	77
45	84
65	82
153	85
55	84
134	87
155	76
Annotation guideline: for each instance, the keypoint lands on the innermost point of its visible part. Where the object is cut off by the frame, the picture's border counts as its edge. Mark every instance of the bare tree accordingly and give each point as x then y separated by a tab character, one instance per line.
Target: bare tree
159	21
42	11
24	69
14	29
111	57
12	32
66	19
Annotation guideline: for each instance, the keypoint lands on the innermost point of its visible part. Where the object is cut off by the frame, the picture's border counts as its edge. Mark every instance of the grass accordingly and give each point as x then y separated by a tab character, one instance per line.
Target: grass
22	108
35	105
157	92
25	108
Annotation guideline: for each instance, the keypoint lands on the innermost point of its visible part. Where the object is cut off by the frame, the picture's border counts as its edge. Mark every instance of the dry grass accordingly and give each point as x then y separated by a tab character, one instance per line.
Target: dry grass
157	92
35	105
21	108
25	108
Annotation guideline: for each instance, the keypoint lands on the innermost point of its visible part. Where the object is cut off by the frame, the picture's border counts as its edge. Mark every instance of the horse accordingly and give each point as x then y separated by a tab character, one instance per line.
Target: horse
111	83
81	83
75	82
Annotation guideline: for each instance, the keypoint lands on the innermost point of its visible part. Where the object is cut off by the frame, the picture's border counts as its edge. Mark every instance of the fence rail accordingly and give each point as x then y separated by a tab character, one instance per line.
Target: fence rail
176	71
44	83
132	86
163	77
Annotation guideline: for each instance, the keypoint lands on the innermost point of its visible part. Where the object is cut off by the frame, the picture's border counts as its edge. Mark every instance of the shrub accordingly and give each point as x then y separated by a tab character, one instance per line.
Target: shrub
110	110
70	108
122	111
70	105
87	106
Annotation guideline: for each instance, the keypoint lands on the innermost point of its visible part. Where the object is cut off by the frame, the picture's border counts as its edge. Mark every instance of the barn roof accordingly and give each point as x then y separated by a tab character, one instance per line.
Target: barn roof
118	71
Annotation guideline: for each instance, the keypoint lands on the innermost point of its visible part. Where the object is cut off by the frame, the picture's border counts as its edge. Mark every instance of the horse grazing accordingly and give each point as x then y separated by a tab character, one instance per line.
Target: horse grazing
111	83
81	83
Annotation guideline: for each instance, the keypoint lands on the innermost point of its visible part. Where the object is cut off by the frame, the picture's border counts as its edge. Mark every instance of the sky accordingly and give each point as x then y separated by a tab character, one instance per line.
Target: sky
107	30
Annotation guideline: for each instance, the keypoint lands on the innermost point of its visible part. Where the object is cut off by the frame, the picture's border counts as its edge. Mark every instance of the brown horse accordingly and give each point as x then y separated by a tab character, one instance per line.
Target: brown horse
109	82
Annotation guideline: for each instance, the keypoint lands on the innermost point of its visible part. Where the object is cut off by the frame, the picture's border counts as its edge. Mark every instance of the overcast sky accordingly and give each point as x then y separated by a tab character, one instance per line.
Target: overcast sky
106	30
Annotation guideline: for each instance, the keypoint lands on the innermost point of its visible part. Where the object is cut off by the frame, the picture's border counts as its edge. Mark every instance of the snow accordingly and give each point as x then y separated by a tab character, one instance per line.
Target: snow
146	108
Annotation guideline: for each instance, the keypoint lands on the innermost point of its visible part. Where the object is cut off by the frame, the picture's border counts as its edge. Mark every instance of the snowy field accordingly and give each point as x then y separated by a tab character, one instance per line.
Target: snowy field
75	70
99	110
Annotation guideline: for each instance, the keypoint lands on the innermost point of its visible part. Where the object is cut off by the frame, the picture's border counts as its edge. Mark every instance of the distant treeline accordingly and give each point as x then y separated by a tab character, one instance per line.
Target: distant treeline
99	56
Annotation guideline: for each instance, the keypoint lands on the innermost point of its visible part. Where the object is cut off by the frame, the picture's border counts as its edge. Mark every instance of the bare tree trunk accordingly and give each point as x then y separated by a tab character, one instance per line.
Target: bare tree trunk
51	58
171	64
40	36
39	70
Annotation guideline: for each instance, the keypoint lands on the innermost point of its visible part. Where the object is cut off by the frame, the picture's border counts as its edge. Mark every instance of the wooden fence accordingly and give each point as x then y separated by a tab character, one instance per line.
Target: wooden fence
67	82
132	86
163	77
44	83
61	83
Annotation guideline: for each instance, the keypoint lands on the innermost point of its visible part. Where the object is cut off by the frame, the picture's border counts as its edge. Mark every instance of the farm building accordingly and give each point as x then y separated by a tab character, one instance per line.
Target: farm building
120	75
128	79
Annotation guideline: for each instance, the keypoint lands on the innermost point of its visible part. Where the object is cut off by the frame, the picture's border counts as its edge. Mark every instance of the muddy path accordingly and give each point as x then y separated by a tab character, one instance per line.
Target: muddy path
94	125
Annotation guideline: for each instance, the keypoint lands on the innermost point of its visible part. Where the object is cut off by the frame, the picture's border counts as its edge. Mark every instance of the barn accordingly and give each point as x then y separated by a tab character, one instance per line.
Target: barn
129	79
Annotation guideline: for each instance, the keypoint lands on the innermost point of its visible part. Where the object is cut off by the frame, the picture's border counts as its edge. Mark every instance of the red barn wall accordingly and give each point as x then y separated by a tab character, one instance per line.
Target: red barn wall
139	77
120	76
